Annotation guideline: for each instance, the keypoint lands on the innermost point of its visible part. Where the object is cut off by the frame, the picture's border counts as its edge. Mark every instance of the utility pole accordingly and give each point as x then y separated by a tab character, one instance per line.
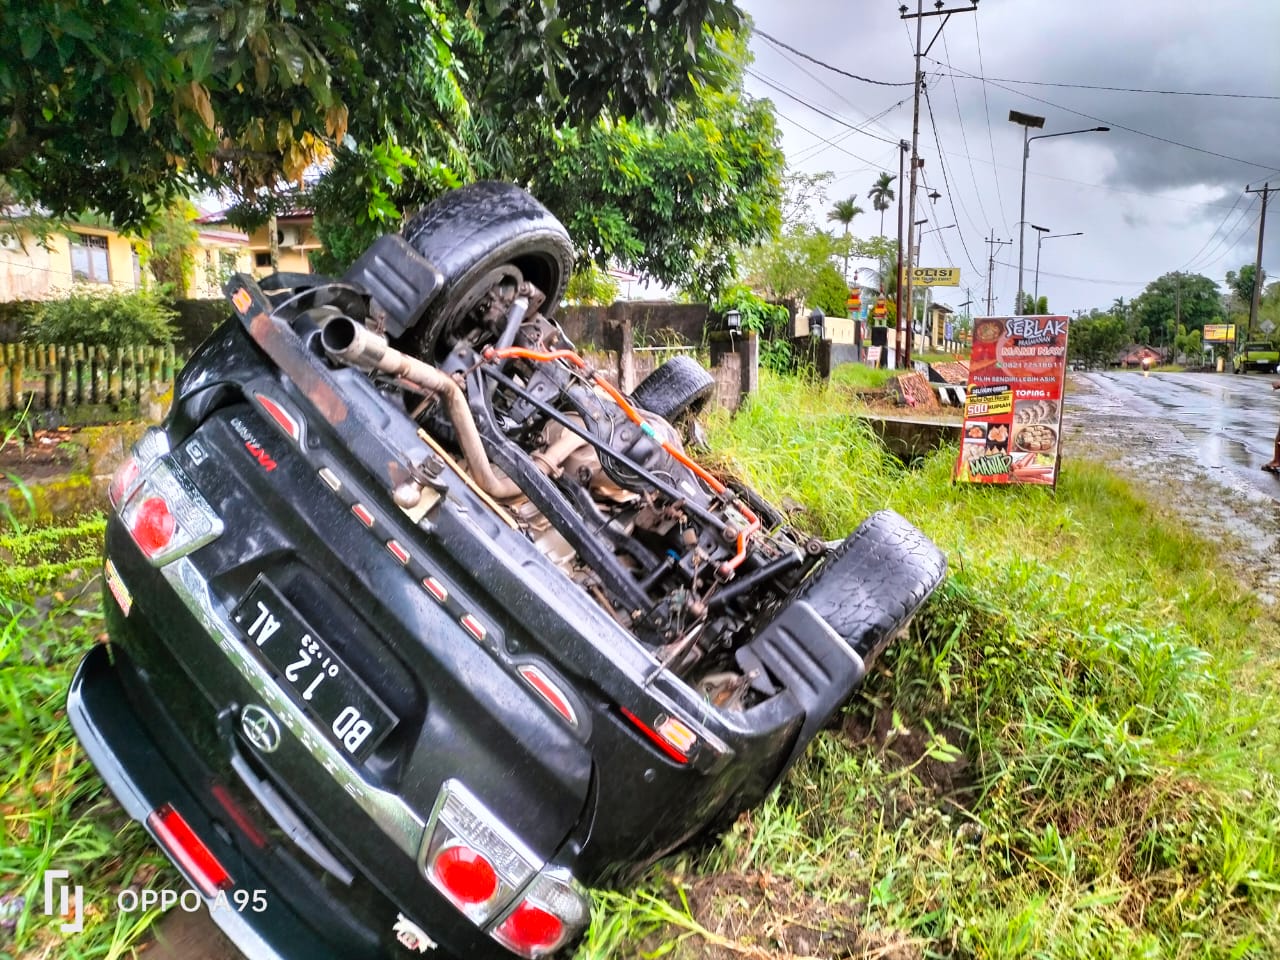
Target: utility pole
1257	263
903	147
993	243
921	52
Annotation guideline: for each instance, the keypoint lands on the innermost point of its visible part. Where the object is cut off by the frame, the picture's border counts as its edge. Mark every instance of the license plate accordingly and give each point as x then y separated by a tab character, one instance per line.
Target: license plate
349	712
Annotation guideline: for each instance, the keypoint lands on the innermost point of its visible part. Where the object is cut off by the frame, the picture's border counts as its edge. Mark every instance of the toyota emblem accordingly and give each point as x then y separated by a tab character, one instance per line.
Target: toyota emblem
260	728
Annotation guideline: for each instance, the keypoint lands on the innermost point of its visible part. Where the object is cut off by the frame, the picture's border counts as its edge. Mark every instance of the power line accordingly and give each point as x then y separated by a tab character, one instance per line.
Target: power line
986	113
1196	256
822	83
848	133
830	116
1239	238
1112	123
1092	86
946	183
827	66
1067	276
830	143
964	138
1087	183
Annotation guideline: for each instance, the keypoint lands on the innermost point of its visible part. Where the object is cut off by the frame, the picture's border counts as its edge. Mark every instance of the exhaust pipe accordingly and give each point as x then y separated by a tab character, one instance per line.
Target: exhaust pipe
352	344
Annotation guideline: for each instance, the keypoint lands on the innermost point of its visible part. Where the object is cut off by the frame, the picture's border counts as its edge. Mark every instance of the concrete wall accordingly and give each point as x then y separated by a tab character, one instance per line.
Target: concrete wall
651	321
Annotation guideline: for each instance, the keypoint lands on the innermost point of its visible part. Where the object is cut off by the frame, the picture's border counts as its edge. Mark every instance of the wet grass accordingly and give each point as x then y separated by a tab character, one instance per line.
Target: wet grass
1070	756
54	813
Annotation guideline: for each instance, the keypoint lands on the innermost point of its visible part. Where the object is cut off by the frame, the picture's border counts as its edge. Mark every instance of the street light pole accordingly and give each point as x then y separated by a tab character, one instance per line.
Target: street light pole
921	51
1040	239
1028	120
1035	296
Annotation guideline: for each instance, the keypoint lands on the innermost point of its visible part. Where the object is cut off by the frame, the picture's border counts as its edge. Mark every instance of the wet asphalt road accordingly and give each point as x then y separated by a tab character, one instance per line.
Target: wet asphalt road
1224	423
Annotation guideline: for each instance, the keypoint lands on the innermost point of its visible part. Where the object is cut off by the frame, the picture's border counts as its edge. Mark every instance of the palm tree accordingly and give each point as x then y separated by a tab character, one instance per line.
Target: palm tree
843	212
881	195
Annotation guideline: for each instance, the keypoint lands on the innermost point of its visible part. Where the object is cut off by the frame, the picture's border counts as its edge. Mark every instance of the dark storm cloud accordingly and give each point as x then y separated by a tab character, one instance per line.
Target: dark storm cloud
1146	206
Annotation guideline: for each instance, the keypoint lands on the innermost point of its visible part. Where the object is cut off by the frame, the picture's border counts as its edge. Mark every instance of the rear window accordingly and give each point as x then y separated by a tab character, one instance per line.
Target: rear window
1258	346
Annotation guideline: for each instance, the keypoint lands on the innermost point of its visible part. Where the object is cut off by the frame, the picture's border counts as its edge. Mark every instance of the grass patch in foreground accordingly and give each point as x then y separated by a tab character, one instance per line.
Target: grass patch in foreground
1072	755
54	811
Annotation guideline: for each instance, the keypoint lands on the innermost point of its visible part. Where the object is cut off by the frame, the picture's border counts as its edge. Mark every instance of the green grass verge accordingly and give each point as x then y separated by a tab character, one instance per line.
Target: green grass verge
861	377
1069	757
55	812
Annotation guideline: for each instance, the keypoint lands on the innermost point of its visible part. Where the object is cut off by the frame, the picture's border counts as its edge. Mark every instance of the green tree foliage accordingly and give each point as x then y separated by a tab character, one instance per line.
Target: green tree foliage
1240	285
673	200
110	319
1189	299
123	106
170	253
769	321
592	286
1030	305
673	203
829	293
1096	338
843	212
1186	344
881	195
791	266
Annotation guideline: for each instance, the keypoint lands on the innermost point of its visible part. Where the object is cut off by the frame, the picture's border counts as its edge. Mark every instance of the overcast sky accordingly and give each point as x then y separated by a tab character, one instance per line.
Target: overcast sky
1146	207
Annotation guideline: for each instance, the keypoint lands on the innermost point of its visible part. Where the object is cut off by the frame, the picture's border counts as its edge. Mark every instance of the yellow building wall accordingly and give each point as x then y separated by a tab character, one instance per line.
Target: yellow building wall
293	259
35	272
206	281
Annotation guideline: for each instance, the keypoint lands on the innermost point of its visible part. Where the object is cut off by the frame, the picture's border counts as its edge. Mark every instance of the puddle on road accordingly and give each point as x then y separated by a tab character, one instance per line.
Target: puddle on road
1200	473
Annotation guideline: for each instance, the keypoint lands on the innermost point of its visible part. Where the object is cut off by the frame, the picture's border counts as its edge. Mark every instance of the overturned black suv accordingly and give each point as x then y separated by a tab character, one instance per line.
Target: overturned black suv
419	626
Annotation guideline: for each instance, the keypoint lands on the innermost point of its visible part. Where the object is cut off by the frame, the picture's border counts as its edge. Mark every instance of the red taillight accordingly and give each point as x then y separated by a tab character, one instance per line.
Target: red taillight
188	851
125	479
660	741
166	515
465	875
531	930
153	525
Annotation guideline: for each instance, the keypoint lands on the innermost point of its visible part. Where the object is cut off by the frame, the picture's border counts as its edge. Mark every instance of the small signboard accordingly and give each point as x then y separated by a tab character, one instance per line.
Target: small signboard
1013	406
873	356
1219	333
935	276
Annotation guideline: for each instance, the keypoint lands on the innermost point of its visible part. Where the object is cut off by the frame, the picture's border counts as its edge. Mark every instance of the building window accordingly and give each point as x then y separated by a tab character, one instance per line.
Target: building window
262	259
89	260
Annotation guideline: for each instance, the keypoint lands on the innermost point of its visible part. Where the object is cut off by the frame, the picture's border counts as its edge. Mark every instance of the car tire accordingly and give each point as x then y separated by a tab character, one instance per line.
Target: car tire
874	581
679	386
472	231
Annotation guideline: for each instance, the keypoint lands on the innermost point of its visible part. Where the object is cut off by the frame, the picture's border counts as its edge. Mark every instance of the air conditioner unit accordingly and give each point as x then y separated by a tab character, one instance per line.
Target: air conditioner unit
289	236
9	241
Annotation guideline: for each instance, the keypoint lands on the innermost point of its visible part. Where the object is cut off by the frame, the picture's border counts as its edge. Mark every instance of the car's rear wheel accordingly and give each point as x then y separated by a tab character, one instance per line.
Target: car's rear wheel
470	235
872	584
681	385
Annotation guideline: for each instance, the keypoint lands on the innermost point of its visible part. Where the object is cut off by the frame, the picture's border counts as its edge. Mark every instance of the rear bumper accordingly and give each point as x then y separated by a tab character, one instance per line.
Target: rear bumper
142	778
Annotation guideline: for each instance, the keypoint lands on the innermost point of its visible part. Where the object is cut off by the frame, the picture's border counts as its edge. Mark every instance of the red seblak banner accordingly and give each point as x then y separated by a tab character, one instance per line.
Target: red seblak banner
1013	407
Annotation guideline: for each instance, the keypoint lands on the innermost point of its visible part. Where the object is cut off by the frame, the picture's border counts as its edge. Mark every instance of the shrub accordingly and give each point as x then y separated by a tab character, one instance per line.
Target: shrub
111	319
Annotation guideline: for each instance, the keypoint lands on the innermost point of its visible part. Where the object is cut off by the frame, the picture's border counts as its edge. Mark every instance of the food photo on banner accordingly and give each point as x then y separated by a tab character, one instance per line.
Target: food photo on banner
1013	407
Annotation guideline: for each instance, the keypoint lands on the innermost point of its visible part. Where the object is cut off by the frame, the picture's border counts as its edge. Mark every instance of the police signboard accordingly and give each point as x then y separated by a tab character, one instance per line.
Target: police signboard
935	276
